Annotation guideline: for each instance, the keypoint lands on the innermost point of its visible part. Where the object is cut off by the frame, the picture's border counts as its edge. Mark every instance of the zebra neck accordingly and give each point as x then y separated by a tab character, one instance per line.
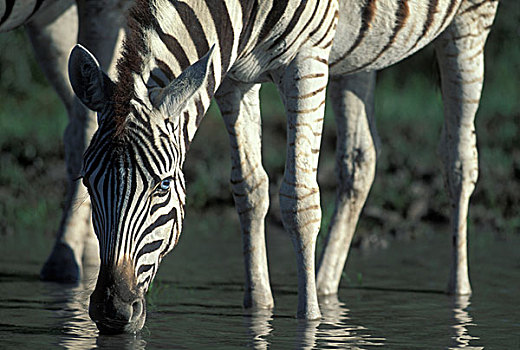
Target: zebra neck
177	35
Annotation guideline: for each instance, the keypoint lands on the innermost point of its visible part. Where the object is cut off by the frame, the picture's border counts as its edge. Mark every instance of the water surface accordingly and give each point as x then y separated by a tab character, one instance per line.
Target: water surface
390	298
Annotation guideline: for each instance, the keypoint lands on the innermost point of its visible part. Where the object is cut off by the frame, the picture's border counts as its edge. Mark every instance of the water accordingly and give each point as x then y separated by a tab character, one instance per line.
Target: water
389	298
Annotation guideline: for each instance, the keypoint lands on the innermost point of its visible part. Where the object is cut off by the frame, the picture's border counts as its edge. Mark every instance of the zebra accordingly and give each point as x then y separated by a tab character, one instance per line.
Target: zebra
462	27
54	27
178	55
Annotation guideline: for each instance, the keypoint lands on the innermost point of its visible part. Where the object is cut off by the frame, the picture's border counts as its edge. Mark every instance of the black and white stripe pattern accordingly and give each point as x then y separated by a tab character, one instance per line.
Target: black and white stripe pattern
14	13
126	194
373	35
134	150
133	165
385	32
54	27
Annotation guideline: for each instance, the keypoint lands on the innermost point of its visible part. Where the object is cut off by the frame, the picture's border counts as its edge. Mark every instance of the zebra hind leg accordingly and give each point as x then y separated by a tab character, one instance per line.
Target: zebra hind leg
461	61
352	98
240	110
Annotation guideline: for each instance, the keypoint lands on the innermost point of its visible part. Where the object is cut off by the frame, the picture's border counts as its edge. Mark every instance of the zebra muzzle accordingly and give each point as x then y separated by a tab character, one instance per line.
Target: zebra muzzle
115	305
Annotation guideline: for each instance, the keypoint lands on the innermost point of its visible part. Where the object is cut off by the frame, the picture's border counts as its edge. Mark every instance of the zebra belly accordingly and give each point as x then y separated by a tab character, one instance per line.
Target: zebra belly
15	13
262	60
372	34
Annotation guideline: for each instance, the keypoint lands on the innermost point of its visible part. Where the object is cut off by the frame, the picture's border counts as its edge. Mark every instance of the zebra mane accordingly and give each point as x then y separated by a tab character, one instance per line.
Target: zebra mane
140	18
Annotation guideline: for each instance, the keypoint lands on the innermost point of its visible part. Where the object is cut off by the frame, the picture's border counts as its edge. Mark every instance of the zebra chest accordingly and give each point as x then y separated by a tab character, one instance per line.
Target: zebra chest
372	35
288	28
257	66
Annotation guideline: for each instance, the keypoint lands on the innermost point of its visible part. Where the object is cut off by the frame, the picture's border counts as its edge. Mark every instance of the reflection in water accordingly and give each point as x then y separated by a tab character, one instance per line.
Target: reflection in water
333	331
337	331
259	325
121	341
71	301
78	330
463	319
200	311
306	334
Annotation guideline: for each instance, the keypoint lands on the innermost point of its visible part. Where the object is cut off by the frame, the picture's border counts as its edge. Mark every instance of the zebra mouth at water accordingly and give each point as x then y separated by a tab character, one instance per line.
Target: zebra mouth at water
115	316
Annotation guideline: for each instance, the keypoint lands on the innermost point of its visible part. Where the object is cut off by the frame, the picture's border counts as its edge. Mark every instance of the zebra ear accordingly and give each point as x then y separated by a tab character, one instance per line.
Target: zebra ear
92	86
173	98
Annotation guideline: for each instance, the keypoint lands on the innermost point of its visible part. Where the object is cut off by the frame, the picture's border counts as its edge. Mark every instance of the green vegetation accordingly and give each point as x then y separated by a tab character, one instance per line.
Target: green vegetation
407	196
32	120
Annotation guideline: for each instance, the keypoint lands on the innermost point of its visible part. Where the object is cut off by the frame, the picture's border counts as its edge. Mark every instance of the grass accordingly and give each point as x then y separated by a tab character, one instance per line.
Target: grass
408	190
31	162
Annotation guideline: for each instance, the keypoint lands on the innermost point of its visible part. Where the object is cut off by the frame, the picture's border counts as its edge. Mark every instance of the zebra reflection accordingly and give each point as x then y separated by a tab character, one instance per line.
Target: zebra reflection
335	330
78	331
461	337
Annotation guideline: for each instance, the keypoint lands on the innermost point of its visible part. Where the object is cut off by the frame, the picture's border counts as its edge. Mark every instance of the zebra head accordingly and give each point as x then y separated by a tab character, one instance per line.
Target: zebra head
133	172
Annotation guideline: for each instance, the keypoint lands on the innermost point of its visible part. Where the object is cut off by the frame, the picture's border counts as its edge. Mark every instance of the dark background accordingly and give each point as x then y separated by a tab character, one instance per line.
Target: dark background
407	200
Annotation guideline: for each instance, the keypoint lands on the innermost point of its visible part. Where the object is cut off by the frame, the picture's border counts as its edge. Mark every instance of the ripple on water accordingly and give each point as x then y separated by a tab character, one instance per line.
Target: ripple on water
397	303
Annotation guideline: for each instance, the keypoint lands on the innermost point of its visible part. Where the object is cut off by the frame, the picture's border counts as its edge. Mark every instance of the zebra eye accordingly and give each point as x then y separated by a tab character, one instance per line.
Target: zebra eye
165	184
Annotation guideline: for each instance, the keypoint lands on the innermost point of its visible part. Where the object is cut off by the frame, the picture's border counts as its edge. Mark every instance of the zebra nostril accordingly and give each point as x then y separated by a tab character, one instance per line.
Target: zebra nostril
137	310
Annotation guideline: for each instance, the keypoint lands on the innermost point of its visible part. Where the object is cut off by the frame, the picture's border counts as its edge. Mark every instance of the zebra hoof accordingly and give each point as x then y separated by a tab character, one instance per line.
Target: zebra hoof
61	266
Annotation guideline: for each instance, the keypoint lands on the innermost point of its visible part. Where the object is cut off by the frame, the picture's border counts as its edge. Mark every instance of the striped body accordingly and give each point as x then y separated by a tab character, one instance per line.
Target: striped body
176	57
15	13
375	34
133	166
118	198
123	143
371	36
53	28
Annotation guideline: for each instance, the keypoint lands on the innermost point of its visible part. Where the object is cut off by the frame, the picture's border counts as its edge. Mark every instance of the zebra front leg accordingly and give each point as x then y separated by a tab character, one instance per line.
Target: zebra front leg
303	87
240	108
52	36
460	52
352	98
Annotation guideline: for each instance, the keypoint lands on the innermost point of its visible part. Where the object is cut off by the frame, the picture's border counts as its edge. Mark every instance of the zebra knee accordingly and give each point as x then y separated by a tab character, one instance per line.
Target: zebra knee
251	195
355	172
460	165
